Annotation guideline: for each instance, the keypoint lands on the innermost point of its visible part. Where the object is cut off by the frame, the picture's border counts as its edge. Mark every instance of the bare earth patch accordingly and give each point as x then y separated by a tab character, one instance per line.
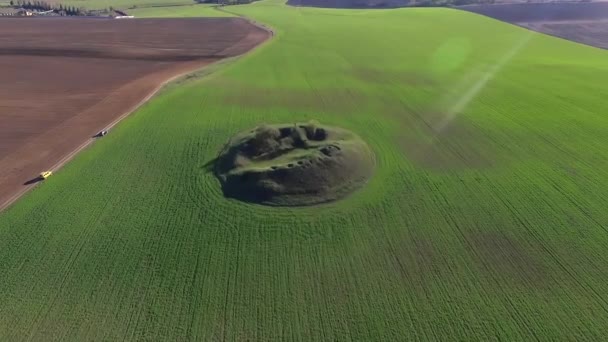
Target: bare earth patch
585	23
594	33
63	80
507	259
371	75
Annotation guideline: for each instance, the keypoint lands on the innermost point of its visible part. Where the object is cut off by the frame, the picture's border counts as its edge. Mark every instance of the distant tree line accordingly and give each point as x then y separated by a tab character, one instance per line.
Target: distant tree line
439	3
225	2
45	6
396	3
415	3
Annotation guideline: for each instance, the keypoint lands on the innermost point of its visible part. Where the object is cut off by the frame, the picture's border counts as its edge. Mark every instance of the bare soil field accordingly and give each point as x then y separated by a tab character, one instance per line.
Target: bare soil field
585	23
65	79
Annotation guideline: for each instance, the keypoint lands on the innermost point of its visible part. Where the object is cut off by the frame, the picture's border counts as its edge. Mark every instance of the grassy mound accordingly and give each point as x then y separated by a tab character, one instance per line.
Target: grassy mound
298	164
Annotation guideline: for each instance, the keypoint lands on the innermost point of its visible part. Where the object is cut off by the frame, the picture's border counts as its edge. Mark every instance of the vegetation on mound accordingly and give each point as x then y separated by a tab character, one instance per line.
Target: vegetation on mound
299	164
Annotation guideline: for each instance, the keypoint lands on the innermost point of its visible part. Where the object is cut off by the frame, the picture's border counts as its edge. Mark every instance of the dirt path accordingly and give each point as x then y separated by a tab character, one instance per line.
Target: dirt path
44	122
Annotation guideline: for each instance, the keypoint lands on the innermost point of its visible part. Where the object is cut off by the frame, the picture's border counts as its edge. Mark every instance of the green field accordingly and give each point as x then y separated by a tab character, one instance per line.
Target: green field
484	220
123	4
178	12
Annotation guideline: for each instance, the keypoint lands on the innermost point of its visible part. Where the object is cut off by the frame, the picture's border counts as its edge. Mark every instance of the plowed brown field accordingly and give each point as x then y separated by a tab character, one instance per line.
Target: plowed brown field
585	22
63	80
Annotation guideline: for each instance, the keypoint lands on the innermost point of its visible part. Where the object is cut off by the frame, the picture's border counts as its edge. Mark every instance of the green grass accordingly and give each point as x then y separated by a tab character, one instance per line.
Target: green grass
123	4
178	11
491	229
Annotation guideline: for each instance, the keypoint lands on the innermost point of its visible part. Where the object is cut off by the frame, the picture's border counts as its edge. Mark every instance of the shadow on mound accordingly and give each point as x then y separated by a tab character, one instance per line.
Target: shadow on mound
293	165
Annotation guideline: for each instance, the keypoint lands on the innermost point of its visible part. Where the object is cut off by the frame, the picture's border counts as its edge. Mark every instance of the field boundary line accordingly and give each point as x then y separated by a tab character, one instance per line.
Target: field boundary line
251	21
64	160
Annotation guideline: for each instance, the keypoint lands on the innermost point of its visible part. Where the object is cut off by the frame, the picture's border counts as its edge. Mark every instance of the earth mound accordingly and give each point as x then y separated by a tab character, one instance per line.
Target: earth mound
293	164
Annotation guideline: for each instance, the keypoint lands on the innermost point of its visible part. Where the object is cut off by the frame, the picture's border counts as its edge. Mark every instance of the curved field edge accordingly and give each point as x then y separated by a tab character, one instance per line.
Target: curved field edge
491	229
583	23
195	70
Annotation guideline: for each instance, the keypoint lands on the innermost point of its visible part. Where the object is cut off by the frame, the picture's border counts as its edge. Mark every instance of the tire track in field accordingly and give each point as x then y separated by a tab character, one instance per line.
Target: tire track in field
82	238
553	255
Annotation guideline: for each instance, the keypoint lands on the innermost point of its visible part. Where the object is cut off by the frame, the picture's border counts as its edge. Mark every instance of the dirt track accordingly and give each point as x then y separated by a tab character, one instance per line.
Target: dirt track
63	80
585	23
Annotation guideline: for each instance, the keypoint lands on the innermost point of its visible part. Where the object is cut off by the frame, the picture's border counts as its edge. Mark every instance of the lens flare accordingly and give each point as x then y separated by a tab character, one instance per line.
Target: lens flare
456	104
